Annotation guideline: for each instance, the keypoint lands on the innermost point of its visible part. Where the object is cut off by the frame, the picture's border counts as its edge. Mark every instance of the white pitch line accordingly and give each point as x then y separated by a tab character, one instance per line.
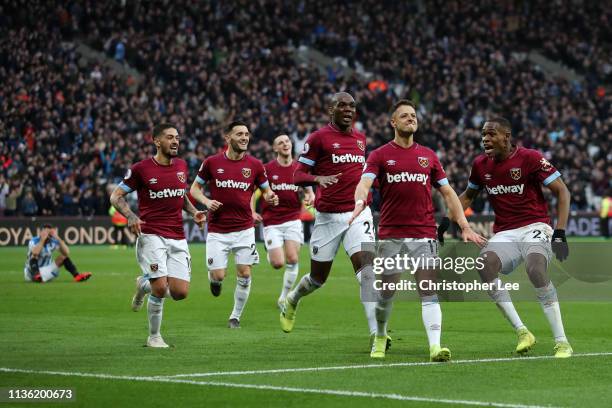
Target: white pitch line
360	366
343	393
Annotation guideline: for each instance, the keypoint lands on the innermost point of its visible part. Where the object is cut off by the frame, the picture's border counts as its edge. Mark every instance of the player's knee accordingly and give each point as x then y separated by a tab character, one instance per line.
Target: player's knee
492	265
179	294
292	258
277	263
59	261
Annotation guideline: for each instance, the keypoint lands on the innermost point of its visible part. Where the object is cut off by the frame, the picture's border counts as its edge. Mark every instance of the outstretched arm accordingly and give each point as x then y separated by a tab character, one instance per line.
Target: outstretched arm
559	189
455	209
302	177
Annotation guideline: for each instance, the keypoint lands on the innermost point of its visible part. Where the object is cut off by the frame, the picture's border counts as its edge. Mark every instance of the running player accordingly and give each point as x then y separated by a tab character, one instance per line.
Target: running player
406	172
232	177
161	247
512	177
283	229
333	160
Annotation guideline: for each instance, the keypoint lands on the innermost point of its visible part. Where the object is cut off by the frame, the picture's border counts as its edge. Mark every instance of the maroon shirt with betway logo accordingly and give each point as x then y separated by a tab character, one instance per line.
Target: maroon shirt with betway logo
231	182
514	186
161	194
405	176
289	204
330	151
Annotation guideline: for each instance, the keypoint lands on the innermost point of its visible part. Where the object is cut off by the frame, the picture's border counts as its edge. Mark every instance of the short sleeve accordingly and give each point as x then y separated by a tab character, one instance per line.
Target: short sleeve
372	166
474	181
203	173
132	180
541	169
261	177
438	175
312	150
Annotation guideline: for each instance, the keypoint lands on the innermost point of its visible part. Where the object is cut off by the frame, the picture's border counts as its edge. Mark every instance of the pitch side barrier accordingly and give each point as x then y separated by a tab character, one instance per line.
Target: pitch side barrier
17	231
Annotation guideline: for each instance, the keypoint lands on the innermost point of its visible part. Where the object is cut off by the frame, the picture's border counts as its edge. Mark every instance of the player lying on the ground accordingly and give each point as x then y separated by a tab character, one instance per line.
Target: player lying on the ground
283	230
40	266
513	176
232	177
161	248
406	172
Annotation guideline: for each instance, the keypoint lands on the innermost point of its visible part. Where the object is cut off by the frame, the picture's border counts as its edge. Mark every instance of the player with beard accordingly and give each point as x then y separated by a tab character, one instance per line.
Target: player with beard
161	247
406	172
232	177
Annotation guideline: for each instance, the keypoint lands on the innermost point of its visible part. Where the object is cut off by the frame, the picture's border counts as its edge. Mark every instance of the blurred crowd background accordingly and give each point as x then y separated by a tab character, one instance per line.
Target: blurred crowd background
69	129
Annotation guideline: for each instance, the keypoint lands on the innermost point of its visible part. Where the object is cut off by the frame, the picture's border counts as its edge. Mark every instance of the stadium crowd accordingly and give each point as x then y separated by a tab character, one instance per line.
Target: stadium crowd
70	129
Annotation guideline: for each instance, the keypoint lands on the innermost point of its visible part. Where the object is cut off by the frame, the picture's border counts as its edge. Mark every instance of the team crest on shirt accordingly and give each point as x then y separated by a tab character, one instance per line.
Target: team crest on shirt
181	176
154	267
361	145
515	173
423	161
246	172
546	166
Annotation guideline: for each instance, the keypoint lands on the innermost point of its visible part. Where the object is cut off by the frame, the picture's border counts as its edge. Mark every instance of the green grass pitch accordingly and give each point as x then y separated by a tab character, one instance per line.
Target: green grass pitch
85	337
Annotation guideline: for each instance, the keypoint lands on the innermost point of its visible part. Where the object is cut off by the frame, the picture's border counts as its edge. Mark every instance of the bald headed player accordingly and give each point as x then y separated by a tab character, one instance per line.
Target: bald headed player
232	176
513	177
161	247
283	229
333	160
406	172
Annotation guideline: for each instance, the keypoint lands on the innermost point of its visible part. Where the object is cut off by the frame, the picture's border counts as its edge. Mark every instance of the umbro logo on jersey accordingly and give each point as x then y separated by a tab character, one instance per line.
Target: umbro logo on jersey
220	171
167	193
501	189
347	158
391	162
275	177
242	185
336	145
487	176
405	177
153	180
423	161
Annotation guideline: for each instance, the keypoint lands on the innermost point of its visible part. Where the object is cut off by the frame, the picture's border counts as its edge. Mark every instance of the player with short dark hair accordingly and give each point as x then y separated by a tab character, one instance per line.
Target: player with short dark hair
513	177
283	230
332	160
232	177
406	172
161	247
40	265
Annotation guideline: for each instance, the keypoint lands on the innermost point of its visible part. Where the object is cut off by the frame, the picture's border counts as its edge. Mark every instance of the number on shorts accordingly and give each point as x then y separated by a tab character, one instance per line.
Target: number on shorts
253	250
368	227
538	234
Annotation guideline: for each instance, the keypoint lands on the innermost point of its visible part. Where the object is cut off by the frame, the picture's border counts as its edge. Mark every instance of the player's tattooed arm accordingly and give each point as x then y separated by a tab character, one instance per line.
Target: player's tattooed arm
118	201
